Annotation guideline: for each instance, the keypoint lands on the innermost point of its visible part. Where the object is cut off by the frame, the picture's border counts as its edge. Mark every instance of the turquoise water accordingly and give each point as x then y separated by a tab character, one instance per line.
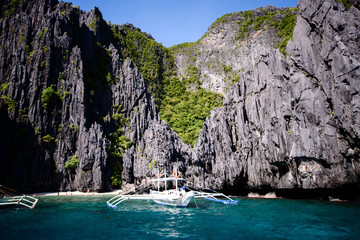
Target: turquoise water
90	218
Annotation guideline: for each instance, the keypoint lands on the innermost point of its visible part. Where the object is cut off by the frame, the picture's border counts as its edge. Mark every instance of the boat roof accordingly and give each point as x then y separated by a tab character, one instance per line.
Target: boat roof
167	179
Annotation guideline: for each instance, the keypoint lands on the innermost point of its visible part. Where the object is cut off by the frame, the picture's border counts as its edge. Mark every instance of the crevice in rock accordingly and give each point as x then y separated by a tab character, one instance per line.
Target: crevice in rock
322	162
282	168
352	70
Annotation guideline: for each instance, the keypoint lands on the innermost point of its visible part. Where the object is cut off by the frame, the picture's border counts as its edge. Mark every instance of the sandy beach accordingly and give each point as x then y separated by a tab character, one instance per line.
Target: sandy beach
76	193
126	188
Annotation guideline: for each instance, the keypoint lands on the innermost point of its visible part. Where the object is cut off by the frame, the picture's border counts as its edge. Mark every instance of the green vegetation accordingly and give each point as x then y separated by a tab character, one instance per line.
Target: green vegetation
93	23
154	61
72	127
350	3
22	38
116	179
72	163
119	143
49	97
47	138
244	25
184	45
227	69
180	102
285	27
110	78
61	76
268	18
192	79
8	101
222	19
4	87
12	7
59	128
347	3
43	33
32	53
235	79
190	49
152	164
185	110
37	131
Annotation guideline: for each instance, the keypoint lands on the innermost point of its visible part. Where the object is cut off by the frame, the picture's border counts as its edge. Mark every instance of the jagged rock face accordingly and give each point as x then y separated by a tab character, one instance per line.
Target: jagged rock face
221	47
294	122
329	58
286	123
159	149
157	146
37	53
74	53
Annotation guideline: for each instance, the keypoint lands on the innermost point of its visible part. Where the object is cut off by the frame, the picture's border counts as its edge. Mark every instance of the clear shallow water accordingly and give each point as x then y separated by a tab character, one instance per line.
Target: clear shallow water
90	218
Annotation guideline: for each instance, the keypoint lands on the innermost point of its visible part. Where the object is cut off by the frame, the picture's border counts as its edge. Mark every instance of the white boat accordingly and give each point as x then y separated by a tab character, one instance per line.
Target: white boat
178	196
9	196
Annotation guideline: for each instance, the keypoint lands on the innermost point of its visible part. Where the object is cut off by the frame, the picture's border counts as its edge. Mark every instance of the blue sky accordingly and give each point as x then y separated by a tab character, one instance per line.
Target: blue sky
172	22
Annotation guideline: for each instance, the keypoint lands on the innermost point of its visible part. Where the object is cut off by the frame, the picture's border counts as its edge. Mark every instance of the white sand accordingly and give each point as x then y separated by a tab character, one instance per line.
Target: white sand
76	193
268	195
126	188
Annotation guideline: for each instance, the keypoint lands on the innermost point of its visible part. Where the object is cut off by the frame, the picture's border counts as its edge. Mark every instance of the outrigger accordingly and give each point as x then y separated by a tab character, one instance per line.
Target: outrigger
9	196
180	196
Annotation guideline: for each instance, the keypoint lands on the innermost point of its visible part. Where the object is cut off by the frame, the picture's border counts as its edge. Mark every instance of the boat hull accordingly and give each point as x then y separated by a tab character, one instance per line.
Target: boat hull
176	199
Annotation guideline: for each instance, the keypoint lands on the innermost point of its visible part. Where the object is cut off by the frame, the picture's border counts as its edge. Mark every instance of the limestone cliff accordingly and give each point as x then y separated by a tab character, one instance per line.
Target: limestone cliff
80	98
288	122
68	88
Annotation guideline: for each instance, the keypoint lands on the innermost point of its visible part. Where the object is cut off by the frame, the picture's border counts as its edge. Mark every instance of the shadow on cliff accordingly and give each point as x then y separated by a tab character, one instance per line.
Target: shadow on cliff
24	164
350	191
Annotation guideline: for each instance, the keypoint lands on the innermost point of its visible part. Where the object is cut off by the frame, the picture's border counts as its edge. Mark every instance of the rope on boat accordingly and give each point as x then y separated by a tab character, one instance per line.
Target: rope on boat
11	190
195	203
2	193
